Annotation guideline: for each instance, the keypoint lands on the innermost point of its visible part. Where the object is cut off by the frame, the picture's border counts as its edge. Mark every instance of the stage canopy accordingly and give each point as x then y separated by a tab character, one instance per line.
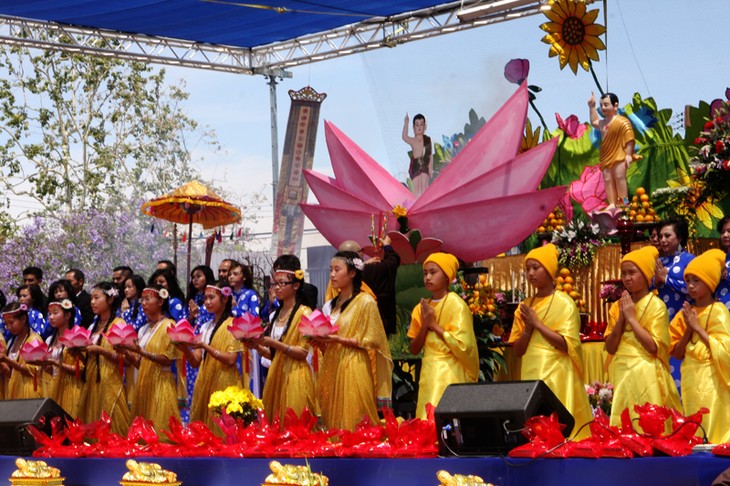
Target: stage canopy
249	38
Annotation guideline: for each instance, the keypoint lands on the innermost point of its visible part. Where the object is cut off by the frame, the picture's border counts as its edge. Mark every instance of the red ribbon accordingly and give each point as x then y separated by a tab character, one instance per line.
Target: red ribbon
183	370
121	365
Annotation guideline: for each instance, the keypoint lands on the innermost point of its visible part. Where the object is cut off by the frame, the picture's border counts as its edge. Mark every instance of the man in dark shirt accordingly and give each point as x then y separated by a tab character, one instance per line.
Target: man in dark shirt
83	300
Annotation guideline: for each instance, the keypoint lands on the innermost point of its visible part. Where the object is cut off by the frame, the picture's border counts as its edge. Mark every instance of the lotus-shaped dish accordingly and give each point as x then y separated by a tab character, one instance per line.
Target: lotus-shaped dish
34	351
317	324
182	332
75	337
246	326
121	334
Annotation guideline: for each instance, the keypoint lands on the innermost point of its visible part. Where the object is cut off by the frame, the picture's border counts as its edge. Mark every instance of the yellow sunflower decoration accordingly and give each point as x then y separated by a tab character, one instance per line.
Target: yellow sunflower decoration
531	138
572	33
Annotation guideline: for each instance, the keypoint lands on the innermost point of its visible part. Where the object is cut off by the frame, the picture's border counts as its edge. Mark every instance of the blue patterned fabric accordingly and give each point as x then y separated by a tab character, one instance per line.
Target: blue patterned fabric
723	290
247	300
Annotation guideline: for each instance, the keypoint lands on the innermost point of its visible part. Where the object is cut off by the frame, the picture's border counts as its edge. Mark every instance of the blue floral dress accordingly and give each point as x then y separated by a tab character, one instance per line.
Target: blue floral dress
191	372
38	323
178	310
723	290
247	300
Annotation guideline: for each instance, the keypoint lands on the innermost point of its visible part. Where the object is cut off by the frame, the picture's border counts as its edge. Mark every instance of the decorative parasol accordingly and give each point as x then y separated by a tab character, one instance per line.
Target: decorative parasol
193	203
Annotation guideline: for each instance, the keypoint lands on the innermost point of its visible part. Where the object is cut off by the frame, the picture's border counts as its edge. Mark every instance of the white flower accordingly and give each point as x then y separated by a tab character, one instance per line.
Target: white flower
358	263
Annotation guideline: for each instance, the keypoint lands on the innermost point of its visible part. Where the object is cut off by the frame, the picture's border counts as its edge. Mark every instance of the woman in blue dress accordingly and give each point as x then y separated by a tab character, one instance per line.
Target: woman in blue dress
133	314
723	290
240	278
61	289
673	259
32	297
165	279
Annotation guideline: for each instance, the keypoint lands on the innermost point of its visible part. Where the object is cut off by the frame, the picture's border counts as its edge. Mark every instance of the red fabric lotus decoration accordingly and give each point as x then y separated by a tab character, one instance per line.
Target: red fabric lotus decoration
317	324
121	334
34	351
246	326
487	187
182	332
75	337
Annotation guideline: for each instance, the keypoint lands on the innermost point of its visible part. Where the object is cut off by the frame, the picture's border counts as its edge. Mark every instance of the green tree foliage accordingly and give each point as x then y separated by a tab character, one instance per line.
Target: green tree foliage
79	132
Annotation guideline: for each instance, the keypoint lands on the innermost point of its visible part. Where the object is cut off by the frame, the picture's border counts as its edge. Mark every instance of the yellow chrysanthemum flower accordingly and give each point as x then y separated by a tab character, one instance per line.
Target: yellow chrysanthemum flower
399	211
572	33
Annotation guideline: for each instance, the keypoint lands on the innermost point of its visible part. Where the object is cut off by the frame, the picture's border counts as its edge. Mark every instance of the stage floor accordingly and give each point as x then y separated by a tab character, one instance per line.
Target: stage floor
698	469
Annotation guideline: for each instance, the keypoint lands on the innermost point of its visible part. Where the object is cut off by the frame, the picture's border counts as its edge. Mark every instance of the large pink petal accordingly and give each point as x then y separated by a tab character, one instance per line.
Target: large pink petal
356	172
521	174
329	193
338	225
487	228
496	143
402	247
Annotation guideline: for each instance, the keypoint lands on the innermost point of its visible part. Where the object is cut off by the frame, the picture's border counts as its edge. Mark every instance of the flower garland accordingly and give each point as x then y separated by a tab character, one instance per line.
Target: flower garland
577	243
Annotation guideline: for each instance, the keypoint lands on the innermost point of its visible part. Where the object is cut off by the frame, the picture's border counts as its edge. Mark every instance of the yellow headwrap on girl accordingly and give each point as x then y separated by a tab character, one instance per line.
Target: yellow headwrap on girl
707	267
645	259
447	262
547	256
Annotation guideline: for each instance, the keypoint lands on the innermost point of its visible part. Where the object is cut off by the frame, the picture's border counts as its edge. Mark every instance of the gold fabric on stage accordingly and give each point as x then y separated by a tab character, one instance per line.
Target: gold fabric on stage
561	371
453	359
638	376
706	372
20	385
290	382
66	389
4	347
105	389
214	375
156	393
348	385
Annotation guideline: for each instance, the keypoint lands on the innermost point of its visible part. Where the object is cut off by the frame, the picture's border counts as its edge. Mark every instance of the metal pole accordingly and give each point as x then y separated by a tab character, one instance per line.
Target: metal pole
274	151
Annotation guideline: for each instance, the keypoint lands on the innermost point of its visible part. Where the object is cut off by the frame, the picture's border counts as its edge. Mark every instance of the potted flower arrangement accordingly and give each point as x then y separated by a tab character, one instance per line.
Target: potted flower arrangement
600	396
237	402
711	164
577	243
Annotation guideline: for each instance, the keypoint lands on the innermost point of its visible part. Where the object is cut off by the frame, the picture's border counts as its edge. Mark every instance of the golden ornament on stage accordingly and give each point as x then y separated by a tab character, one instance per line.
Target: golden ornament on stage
446	479
288	475
146	473
35	473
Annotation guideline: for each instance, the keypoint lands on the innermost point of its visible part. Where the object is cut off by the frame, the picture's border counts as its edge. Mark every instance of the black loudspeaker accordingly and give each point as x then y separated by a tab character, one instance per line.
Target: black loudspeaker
15	415
480	419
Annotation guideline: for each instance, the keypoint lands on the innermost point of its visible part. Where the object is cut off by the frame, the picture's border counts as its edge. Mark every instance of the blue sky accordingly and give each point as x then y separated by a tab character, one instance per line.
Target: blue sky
671	50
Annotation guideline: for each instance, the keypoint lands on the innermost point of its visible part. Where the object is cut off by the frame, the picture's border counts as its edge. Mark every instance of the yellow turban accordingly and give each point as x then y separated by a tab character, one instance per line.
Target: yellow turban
446	262
707	267
547	256
645	259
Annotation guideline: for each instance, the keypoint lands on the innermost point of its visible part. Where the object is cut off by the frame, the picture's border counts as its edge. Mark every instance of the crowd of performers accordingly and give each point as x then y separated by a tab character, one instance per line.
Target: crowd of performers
673	304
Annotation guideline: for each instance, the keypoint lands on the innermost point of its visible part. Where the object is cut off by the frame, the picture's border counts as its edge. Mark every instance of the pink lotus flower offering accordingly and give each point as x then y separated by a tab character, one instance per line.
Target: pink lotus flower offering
121	334
35	351
182	332
76	337
317	324
246	326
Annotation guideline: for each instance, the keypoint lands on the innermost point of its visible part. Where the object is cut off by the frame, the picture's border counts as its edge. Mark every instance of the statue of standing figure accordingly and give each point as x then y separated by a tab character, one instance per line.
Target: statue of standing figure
617	147
421	166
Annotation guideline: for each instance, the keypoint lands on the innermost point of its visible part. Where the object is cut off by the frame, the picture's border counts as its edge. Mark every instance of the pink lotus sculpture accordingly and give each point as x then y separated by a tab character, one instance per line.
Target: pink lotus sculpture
182	332
486	189
246	326
34	351
121	334
317	324
590	190
76	337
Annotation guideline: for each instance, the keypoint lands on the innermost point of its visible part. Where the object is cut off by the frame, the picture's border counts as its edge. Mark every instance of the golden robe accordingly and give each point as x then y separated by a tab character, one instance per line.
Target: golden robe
105	389
561	371
20	385
290	382
638	376
214	375
66	389
613	142
4	347
349	382
453	359
156	392
706	371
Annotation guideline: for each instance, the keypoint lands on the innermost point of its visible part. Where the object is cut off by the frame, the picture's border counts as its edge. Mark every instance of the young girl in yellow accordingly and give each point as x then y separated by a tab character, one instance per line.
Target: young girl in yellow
700	336
65	388
444	328
638	338
546	335
21	383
